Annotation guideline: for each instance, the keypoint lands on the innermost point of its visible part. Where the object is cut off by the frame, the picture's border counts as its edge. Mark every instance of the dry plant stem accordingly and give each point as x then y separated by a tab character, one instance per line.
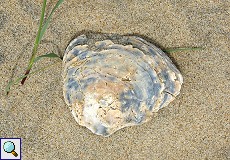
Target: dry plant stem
37	41
29	74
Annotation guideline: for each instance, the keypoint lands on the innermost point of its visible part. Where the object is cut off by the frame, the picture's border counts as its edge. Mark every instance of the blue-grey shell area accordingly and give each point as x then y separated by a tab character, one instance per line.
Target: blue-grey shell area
113	81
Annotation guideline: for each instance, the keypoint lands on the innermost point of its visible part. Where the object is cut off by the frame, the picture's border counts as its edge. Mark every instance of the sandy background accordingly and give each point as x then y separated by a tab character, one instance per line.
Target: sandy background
194	126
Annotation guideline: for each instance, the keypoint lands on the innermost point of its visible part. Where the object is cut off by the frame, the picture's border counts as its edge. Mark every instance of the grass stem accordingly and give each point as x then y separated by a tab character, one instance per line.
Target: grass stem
36	43
14	82
169	50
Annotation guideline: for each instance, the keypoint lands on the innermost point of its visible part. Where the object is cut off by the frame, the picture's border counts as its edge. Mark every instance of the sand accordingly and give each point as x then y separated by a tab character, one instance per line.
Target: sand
194	126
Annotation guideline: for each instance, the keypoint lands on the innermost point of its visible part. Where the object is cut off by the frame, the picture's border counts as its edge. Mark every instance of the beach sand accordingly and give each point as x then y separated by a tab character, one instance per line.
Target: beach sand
196	125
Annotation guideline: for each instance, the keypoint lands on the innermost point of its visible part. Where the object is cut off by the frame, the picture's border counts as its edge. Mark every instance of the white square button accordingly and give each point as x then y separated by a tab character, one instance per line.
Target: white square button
10	148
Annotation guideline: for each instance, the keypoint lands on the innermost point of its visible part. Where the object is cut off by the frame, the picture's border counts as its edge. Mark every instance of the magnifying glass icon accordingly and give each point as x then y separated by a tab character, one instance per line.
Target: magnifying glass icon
9	147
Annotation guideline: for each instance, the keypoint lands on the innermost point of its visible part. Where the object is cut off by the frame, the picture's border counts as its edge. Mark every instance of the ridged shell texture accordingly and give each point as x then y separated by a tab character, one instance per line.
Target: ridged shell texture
113	81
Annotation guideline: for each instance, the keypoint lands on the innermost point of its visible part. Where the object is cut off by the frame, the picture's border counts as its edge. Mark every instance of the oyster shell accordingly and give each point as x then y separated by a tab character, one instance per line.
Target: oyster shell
113	81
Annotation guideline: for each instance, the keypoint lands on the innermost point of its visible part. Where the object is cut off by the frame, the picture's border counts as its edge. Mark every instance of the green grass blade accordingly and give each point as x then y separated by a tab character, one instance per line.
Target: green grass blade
36	43
50	55
49	18
21	77
8	87
182	49
40	34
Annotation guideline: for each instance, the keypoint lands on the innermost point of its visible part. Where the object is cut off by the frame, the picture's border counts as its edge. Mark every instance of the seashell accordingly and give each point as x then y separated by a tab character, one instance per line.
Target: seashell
113	81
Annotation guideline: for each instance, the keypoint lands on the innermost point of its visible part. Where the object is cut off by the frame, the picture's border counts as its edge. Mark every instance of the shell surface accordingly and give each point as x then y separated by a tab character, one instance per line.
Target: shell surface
113	81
